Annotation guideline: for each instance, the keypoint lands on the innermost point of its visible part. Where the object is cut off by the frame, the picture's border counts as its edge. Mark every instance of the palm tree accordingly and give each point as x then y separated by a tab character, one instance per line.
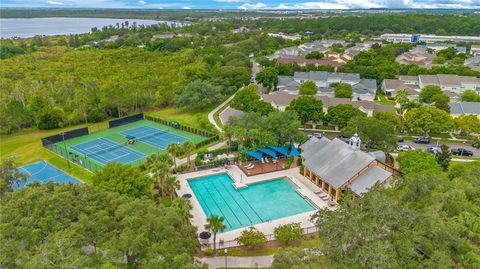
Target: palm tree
160	165
171	184
173	150
215	225
182	207
187	147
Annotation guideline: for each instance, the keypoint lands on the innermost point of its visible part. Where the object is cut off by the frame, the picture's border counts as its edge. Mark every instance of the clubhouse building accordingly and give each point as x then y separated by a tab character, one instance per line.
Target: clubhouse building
336	166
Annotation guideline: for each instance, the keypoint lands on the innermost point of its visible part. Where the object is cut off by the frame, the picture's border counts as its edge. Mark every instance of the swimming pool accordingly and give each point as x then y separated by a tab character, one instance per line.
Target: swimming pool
257	203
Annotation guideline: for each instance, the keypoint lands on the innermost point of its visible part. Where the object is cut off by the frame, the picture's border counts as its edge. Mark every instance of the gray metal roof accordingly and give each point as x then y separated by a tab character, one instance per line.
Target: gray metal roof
464	108
334	161
312	146
368	178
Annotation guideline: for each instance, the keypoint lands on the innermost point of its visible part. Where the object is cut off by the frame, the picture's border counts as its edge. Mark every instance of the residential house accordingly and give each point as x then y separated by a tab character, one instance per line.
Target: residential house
464	108
473	63
228	113
392	86
285	36
452	85
363	89
418	56
441	46
336	166
475	50
281	99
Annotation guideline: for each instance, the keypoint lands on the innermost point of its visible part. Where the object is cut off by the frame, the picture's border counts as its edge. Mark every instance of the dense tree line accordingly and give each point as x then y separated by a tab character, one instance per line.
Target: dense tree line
380	64
428	219
79	226
375	25
62	86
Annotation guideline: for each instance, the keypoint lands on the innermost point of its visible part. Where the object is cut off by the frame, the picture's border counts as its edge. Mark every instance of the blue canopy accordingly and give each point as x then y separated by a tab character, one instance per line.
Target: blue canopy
269	152
293	151
254	154
281	150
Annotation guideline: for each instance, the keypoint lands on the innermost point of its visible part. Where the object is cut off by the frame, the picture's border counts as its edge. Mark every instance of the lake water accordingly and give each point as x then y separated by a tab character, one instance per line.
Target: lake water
61	26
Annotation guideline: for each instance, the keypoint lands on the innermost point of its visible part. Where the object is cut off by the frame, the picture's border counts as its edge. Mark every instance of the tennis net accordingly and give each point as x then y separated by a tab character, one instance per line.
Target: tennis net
145	137
101	151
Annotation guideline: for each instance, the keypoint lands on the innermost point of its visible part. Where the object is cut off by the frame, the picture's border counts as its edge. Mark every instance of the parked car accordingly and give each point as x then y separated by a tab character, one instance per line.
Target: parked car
433	150
317	135
405	148
461	152
400	139
422	140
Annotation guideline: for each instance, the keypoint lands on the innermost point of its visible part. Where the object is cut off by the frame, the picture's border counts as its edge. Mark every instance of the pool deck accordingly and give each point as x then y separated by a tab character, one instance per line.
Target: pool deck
306	188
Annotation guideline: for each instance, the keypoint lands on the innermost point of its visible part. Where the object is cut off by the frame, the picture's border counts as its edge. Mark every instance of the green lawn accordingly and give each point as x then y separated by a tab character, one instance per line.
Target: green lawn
27	148
197	120
384	101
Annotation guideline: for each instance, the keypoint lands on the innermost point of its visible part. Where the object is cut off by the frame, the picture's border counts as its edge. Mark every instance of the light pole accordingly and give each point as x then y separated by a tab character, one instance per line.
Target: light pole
66	151
226	252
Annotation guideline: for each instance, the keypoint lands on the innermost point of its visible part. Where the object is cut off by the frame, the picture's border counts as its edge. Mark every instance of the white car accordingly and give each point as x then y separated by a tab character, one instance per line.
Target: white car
405	148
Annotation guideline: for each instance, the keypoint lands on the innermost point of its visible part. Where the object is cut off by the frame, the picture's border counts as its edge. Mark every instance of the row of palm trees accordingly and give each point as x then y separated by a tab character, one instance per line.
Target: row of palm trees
160	167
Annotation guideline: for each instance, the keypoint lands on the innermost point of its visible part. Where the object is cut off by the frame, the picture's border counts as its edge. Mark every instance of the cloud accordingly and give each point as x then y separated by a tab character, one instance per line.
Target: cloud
231	1
55	3
253	6
186	7
142	2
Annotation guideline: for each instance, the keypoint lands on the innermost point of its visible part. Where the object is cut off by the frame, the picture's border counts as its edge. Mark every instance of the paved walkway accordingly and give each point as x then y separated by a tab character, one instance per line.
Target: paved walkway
210	115
248	262
192	158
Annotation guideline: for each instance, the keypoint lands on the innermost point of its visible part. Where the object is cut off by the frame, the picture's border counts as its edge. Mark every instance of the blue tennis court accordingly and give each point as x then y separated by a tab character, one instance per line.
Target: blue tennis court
44	172
105	151
154	137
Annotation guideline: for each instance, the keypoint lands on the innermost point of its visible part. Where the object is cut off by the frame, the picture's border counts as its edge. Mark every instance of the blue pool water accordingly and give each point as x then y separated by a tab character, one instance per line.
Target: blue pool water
257	203
44	172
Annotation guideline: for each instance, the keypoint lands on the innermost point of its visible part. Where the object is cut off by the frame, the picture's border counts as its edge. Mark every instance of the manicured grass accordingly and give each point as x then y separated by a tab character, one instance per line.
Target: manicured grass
216	115
27	148
197	120
384	101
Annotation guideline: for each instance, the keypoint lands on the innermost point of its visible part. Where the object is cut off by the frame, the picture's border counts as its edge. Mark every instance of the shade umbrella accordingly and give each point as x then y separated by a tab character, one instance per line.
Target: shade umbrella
205	235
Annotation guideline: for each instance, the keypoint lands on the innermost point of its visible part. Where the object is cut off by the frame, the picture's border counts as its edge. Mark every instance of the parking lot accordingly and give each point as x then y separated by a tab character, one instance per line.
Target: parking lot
433	143
476	152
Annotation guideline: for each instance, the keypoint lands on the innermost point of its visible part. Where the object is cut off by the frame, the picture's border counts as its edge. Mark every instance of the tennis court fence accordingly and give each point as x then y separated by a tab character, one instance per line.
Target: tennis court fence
82	160
125	120
211	137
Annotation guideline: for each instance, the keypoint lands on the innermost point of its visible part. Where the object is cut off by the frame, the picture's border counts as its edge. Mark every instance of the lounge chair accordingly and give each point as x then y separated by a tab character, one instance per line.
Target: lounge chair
251	167
248	165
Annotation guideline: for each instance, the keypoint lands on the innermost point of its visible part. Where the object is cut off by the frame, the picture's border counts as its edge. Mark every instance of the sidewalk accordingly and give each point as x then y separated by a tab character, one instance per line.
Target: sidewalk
233	261
193	156
210	115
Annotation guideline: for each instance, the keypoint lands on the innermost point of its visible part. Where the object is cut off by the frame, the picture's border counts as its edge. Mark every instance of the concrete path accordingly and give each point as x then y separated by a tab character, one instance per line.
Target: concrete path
248	262
192	158
210	115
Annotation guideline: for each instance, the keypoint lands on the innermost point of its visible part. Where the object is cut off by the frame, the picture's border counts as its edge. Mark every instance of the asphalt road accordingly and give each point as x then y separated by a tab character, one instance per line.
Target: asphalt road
433	143
476	152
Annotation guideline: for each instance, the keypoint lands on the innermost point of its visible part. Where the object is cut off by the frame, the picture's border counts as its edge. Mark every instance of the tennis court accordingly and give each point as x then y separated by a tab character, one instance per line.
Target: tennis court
105	151
126	144
154	137
44	172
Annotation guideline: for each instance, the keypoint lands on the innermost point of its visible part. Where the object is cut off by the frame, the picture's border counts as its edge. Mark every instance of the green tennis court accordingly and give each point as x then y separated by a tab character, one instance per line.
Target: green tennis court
95	150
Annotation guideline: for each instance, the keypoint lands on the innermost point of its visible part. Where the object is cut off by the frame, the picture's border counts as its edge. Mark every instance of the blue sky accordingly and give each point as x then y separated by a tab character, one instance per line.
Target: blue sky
244	4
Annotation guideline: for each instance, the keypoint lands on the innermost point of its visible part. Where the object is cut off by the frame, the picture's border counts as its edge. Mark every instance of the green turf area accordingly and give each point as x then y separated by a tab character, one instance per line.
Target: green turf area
114	134
197	120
